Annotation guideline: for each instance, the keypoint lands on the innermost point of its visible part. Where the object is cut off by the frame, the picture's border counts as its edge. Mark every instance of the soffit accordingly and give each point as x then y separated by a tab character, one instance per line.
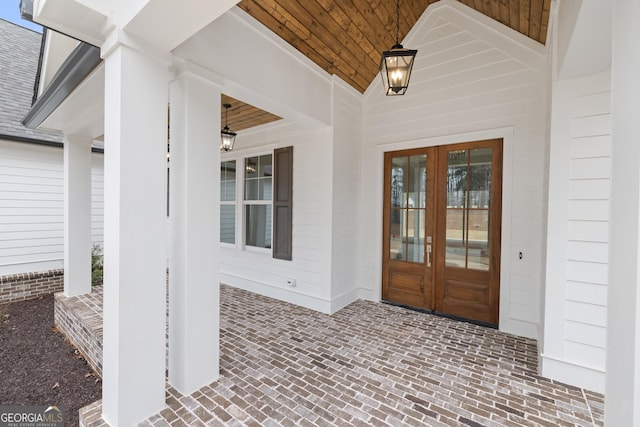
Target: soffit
244	116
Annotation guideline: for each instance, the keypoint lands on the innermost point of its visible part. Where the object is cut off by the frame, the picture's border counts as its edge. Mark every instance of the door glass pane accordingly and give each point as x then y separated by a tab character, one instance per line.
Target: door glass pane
468	202
455	254
399	176
408	202
457	179
480	178
417	181
415	235
479	239
396	231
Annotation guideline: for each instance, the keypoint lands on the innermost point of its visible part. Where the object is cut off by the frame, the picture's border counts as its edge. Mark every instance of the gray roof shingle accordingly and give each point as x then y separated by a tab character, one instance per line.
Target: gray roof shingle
19	53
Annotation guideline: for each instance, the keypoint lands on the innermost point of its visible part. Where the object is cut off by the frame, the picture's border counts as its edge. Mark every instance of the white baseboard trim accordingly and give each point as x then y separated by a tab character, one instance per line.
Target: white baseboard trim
289	295
518	327
344	300
368	295
572	373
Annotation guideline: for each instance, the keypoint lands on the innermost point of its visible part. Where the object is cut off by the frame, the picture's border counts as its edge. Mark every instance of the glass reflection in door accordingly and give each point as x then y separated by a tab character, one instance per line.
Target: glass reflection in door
408	206
468	208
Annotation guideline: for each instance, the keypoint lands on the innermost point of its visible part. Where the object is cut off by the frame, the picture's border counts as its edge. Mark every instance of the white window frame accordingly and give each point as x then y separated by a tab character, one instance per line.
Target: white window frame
245	203
240	205
233	203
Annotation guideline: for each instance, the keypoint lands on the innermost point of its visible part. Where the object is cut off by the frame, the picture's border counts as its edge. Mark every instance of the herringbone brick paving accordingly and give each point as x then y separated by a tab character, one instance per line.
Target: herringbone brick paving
370	364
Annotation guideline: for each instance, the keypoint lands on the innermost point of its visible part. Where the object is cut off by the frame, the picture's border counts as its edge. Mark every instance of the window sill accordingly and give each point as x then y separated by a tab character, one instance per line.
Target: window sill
256	250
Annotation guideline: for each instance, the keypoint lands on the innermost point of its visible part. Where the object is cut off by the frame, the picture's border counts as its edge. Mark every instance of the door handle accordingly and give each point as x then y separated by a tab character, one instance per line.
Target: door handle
428	255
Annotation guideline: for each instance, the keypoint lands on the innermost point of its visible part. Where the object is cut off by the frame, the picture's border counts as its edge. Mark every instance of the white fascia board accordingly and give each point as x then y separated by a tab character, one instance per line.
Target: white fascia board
57	49
82	111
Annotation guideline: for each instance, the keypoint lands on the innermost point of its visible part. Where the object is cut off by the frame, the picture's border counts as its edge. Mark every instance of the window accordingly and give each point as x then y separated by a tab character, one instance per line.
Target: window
265	206
228	202
258	186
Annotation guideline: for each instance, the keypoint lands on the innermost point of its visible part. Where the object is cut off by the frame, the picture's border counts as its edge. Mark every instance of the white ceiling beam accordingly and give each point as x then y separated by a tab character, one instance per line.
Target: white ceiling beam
261	69
168	23
77	18
164	23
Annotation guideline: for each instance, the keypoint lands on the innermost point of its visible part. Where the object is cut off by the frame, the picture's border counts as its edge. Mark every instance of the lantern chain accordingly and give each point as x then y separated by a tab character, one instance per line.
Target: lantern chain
398	22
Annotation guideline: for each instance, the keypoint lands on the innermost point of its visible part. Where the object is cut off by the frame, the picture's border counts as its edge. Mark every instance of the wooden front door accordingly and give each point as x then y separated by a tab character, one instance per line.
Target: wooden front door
408	225
442	220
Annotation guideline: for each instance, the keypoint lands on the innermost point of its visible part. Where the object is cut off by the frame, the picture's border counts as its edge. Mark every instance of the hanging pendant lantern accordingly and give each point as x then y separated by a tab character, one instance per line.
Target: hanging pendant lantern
227	137
396	64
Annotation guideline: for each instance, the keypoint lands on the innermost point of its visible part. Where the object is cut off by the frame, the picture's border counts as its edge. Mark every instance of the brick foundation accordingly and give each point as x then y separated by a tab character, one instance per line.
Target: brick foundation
24	286
80	320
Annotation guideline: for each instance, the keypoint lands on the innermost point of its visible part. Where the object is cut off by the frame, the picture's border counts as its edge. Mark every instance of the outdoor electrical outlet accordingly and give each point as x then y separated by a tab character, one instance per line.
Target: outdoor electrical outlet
291	282
520	255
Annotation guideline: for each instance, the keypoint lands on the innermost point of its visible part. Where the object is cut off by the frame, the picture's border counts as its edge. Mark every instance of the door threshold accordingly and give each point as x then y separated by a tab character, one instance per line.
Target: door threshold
440	314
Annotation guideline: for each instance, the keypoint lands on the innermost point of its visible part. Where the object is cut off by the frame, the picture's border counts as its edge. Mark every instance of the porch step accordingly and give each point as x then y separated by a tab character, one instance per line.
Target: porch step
80	320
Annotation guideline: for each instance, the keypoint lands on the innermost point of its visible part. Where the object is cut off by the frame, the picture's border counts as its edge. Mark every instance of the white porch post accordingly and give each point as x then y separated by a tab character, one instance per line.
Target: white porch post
135	191
194	308
622	393
77	215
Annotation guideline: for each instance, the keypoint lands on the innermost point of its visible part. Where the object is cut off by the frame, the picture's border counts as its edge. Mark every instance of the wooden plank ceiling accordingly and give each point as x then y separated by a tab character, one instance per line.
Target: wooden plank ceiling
244	116
347	37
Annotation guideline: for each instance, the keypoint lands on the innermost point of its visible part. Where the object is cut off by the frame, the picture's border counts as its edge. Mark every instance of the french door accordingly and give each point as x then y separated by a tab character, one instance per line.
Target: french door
442	218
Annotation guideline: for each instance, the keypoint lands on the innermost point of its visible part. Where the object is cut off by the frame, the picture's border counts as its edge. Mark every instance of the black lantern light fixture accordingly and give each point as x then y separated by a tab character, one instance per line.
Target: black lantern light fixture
396	64
227	138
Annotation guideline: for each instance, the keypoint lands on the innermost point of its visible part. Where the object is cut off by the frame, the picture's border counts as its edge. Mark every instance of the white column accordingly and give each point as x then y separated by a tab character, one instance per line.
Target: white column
135	191
622	393
194	301
553	363
77	215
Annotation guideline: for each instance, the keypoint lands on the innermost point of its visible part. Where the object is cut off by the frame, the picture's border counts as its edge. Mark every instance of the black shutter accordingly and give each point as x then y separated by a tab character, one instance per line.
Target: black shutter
282	202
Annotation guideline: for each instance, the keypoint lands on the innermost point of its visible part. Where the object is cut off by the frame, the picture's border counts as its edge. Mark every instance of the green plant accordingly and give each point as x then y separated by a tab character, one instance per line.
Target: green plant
96	265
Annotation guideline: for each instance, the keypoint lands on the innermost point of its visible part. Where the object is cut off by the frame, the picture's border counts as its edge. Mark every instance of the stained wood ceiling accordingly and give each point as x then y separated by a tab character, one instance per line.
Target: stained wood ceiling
347	37
244	116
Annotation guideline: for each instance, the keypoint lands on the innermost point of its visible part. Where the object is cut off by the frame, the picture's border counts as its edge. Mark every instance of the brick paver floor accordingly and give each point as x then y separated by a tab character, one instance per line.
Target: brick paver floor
369	364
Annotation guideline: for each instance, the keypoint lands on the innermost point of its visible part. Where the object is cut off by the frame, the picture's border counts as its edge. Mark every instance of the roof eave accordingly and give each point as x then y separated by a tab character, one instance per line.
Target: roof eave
78	65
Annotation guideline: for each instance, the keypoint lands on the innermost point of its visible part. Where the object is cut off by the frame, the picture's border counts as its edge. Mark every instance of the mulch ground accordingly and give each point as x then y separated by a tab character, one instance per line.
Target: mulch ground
38	366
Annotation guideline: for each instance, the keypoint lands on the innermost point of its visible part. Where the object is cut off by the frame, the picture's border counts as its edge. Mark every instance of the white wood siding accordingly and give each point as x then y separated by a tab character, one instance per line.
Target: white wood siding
472	79
32	207
575	338
589	204
258	271
326	172
97	199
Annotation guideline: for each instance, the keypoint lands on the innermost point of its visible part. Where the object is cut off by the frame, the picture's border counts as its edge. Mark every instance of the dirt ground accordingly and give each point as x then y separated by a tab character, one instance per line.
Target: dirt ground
38	366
